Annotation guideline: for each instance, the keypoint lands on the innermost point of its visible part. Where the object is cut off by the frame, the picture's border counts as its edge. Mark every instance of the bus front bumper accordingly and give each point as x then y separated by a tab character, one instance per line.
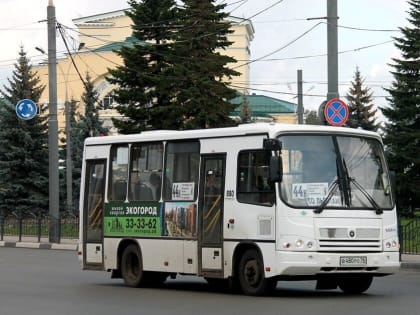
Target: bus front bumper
317	263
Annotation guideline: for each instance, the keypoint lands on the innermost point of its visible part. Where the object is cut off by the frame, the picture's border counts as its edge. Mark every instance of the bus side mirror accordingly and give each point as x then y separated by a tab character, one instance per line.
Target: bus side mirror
276	164
276	169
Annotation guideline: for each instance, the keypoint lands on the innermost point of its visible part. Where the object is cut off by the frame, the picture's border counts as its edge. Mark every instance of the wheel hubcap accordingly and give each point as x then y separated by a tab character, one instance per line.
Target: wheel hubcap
251	273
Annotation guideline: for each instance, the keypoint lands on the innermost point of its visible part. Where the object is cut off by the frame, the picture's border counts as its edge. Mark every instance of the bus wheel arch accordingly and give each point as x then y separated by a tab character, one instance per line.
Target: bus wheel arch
131	263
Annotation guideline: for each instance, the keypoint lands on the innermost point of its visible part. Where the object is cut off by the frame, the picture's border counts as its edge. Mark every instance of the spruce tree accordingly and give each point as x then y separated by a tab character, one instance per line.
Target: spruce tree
202	91
311	118
403	119
76	158
361	107
145	79
23	145
86	125
173	76
89	124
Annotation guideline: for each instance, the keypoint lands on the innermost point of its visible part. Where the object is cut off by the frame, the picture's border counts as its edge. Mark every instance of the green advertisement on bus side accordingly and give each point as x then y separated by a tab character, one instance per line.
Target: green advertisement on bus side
133	219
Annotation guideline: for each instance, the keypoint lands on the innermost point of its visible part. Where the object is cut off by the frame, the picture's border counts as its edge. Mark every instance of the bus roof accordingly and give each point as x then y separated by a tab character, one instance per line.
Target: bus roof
271	129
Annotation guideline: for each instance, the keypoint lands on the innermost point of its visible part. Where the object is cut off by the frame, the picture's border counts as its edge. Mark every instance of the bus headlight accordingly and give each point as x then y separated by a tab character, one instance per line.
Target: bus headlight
299	243
290	243
391	245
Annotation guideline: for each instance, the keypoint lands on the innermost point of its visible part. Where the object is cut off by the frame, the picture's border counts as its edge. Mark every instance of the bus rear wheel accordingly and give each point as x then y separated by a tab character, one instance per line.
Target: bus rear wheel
132	266
355	284
251	275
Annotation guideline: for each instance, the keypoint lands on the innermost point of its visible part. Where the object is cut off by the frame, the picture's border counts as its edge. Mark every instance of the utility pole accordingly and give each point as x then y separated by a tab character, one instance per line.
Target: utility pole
300	97
332	42
54	212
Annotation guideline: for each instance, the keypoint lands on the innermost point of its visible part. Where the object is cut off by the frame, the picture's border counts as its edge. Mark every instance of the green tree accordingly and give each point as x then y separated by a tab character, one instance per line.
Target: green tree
402	136
146	78
89	124
86	125
202	91
361	108
23	145
76	158
173	76
311	118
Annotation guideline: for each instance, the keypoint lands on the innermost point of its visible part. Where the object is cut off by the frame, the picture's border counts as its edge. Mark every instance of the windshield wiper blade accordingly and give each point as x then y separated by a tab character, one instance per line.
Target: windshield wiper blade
327	199
346	183
378	210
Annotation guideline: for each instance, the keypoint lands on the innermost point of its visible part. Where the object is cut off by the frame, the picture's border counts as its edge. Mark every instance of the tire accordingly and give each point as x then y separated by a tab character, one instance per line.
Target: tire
132	266
355	284
251	275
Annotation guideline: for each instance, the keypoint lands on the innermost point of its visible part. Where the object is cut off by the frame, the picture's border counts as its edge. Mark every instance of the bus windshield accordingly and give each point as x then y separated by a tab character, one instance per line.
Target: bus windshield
331	171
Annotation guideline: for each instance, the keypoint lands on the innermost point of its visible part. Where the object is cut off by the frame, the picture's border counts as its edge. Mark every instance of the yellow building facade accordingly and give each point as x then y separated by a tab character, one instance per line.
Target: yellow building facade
98	34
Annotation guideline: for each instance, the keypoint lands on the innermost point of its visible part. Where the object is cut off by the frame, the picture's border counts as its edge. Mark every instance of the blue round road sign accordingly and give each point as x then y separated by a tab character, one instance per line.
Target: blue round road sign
336	112
26	109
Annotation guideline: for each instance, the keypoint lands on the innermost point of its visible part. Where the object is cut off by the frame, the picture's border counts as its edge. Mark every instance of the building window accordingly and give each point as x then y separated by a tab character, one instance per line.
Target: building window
108	101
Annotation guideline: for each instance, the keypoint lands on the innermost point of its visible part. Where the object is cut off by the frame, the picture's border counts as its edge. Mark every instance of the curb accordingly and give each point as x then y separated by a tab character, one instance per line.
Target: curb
72	247
410	266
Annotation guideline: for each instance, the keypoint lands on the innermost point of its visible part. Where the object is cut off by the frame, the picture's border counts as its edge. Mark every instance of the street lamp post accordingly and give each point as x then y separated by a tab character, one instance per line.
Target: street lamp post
69	162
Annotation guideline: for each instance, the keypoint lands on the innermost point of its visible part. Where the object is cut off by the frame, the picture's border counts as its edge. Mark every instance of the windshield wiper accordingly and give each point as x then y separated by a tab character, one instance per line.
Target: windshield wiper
341	183
335	184
372	201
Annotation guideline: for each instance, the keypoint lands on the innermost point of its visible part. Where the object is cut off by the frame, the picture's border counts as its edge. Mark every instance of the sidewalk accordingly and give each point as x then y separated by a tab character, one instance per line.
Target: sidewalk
410	262
32	242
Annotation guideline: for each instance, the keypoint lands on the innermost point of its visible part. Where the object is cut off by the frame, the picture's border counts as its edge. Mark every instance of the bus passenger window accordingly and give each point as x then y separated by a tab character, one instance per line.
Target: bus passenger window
181	170
119	173
146	160
253	185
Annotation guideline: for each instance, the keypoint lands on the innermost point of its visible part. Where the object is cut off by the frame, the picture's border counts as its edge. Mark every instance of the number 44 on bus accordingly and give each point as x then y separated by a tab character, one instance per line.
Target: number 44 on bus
244	207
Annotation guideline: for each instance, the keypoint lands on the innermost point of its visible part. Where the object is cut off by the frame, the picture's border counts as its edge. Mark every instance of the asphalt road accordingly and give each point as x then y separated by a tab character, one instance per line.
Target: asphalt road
36	281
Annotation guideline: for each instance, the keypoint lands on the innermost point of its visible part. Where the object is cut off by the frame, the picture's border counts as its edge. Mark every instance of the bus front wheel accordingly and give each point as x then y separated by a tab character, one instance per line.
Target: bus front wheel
251	276
132	266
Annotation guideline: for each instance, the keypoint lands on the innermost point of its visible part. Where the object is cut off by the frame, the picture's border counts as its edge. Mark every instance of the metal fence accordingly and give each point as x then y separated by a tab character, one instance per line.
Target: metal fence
37	226
410	237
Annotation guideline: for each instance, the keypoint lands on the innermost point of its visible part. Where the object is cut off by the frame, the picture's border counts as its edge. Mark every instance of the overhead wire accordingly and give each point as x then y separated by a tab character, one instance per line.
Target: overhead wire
281	48
263	58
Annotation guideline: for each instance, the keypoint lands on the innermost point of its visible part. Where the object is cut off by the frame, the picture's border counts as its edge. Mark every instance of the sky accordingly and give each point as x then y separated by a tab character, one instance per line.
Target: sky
285	32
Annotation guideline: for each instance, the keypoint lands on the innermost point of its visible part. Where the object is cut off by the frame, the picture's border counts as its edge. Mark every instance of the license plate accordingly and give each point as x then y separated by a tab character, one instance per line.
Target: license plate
353	261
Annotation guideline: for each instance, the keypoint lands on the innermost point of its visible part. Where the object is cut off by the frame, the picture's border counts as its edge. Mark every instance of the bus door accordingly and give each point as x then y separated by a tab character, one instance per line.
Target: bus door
210	214
93	203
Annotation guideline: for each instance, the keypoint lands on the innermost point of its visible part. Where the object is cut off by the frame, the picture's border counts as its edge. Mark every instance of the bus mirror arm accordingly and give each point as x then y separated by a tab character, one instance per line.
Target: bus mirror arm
276	169
271	144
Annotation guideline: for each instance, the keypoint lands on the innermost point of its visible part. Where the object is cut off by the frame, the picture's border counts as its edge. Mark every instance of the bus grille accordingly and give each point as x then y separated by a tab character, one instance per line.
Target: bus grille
349	239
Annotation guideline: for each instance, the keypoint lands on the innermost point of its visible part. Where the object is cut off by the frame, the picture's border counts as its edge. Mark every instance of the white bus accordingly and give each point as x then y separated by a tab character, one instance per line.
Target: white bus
245	206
